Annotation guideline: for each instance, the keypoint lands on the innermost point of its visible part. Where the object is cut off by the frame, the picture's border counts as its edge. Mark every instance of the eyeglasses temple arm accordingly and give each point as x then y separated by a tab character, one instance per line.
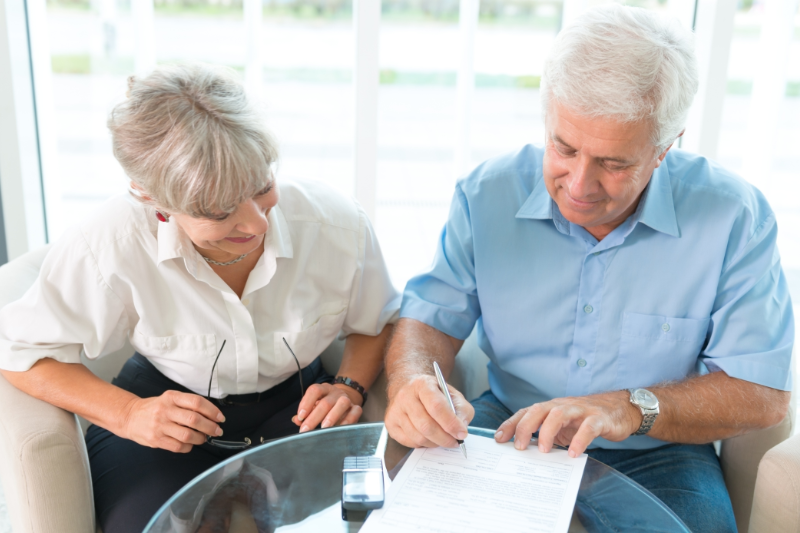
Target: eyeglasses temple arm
299	370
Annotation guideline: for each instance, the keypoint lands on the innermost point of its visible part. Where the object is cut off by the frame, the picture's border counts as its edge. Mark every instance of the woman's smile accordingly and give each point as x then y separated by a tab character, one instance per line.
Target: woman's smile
240	240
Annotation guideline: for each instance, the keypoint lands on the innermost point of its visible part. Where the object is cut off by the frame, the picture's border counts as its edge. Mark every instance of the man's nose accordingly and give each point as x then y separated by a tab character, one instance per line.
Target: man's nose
581	182
252	219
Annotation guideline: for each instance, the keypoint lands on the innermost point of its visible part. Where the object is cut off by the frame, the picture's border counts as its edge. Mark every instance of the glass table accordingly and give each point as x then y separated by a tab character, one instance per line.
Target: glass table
294	485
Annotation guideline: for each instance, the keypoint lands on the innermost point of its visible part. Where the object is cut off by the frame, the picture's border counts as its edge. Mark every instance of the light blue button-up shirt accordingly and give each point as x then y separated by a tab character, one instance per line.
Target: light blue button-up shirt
690	282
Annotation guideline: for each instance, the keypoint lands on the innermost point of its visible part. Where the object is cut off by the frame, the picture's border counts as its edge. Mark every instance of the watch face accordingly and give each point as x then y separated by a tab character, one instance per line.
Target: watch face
645	398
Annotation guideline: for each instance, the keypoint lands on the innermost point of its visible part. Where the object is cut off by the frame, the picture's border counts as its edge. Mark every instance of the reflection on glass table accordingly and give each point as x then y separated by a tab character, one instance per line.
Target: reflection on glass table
295	485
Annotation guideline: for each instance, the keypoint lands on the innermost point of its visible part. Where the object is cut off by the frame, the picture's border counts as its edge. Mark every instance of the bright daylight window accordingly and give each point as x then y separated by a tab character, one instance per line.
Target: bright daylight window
427	137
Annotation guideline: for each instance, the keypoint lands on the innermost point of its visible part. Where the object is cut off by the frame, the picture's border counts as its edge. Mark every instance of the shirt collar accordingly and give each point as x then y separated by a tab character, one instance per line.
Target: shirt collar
656	209
279	239
174	243
539	205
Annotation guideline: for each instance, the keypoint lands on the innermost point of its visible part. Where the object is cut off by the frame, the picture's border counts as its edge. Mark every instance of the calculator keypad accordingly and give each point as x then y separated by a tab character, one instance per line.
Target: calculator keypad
362	463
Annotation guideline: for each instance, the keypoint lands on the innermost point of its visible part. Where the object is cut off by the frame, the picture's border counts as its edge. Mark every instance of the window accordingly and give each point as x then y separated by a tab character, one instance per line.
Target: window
455	83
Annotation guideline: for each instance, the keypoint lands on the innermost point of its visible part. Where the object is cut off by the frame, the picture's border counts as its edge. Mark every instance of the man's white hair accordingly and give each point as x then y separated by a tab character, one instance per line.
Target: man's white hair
191	141
627	64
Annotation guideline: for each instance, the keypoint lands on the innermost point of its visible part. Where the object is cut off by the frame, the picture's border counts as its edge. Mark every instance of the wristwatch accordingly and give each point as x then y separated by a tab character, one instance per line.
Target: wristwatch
353	384
647	402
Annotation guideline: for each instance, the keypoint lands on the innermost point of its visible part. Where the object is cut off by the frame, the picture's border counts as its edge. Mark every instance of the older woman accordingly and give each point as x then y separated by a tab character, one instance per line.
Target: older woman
228	286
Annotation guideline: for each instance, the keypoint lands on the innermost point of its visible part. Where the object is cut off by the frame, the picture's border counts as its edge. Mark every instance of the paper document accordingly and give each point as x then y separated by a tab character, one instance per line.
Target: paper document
498	488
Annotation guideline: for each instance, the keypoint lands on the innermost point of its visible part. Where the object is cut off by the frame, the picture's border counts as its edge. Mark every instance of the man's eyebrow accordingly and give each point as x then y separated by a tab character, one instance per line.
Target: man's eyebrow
619	160
559	140
616	160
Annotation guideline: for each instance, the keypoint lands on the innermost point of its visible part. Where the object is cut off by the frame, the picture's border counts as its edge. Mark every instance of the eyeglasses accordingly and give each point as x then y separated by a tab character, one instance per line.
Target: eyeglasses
246	443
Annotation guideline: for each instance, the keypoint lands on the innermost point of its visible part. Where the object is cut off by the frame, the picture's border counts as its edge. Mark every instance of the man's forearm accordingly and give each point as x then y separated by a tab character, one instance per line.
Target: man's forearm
412	350
715	406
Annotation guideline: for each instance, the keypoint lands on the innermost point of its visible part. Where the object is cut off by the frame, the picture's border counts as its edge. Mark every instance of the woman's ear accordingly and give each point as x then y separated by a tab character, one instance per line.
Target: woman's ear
140	192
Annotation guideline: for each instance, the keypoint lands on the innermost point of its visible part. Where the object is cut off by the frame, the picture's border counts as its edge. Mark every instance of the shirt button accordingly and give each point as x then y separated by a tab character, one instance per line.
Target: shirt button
581	363
665	327
596	253
246	301
588	308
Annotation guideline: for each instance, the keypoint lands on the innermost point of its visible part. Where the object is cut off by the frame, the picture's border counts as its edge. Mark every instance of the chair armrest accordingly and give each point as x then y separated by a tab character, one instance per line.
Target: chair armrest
44	466
740	457
776	503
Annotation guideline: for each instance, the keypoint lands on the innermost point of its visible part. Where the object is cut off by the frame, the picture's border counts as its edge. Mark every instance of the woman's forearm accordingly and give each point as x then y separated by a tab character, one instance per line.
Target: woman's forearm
74	388
363	357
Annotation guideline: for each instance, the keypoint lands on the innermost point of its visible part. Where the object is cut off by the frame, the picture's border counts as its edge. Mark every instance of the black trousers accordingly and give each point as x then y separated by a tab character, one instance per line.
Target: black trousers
131	482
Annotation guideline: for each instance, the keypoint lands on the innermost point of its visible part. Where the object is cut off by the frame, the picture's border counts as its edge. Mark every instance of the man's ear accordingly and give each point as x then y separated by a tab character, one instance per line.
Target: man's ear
664	153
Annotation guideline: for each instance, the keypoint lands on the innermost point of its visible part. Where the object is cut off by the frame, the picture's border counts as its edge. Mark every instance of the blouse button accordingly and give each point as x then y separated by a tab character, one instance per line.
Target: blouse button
665	327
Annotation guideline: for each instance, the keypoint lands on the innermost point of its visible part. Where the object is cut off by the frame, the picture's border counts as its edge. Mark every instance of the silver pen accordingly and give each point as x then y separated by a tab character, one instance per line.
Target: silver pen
443	386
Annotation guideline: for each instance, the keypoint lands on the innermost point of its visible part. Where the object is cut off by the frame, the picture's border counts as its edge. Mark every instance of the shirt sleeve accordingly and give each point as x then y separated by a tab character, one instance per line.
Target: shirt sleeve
752	323
374	301
68	309
446	296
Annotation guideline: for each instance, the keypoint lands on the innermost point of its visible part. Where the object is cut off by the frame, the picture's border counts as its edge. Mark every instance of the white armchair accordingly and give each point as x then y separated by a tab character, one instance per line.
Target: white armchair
45	470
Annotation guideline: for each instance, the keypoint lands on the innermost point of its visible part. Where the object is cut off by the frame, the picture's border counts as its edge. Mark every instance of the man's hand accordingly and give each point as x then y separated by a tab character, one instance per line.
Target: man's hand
573	422
174	421
419	416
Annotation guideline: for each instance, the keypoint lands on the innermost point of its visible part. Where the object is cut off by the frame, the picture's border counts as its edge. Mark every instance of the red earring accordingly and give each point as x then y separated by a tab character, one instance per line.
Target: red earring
161	217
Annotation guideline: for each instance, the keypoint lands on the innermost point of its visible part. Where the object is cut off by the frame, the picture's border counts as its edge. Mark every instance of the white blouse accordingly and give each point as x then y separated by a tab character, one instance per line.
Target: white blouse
123	275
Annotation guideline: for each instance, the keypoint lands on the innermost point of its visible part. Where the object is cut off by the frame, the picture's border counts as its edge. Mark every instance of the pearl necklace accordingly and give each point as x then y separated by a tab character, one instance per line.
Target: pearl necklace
224	264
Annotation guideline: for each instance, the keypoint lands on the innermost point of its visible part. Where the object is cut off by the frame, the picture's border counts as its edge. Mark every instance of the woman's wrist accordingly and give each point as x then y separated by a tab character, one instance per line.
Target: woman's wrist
354	395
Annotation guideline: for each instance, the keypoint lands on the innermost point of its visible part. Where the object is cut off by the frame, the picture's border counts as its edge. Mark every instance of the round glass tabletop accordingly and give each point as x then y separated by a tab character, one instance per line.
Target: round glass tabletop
295	485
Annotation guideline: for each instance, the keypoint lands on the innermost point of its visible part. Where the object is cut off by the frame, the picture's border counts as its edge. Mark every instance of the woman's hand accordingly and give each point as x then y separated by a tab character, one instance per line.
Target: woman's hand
330	405
174	421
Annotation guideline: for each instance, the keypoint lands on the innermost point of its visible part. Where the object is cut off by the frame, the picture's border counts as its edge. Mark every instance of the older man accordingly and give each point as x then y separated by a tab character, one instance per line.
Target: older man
630	297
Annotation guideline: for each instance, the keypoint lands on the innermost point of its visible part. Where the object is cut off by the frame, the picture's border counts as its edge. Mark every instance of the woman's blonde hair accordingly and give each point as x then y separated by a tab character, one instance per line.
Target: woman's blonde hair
191	141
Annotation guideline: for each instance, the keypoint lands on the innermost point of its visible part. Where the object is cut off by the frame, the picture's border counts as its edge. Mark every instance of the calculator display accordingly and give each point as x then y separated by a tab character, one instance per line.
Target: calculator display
362	483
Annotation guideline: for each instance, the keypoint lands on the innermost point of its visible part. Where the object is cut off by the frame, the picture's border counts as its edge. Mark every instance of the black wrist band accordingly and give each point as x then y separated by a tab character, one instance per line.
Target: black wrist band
353	385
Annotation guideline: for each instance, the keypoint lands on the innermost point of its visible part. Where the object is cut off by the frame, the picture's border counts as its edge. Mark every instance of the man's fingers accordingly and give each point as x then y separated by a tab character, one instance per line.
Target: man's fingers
435	403
509	427
558	417
591	428
531	422
429	428
313	395
464	409
413	437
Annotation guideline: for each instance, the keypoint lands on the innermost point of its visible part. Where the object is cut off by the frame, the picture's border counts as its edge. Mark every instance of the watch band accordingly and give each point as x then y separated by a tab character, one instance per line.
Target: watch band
648	419
353	385
648	415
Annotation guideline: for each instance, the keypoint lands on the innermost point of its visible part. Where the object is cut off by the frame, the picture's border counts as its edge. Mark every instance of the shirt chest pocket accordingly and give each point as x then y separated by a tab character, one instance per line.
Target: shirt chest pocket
655	348
319	330
179	357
